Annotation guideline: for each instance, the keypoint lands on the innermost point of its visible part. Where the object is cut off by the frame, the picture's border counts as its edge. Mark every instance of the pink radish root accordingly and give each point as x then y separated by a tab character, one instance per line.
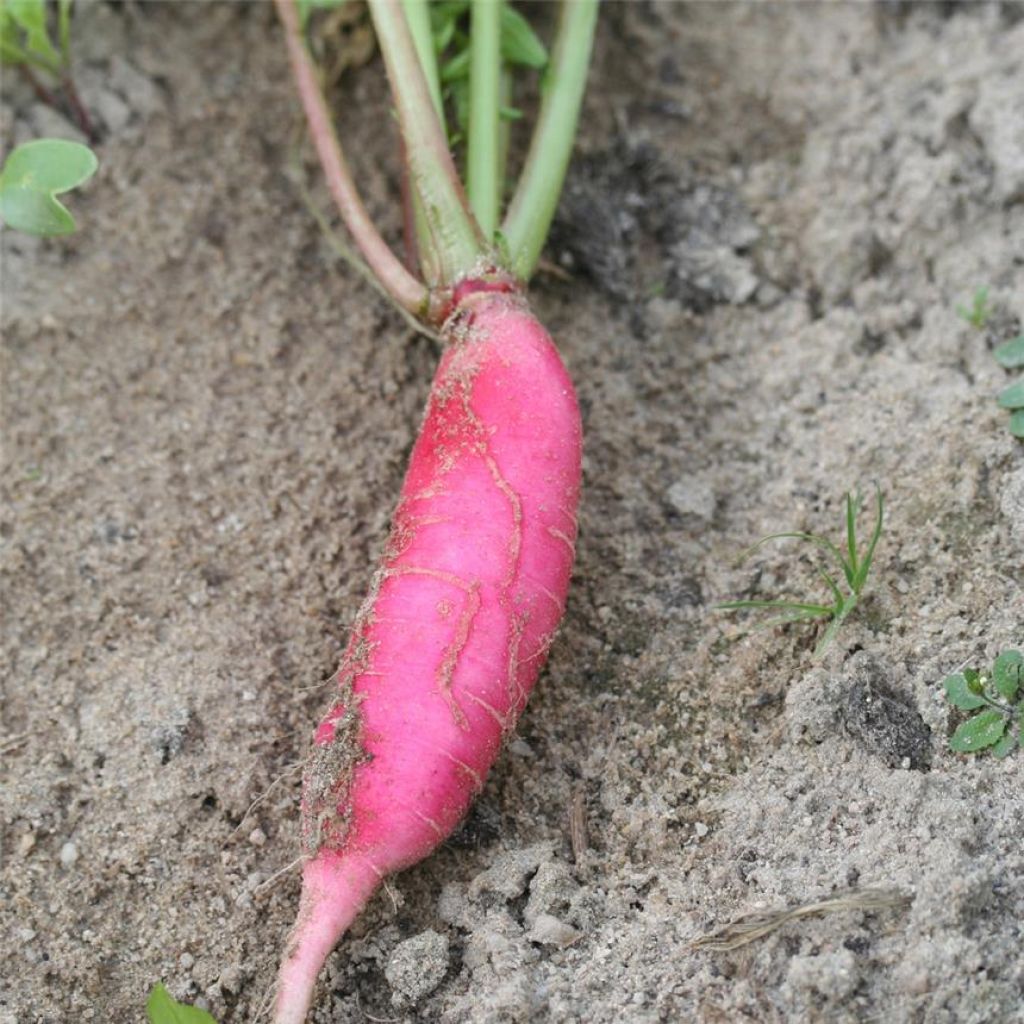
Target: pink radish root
461	613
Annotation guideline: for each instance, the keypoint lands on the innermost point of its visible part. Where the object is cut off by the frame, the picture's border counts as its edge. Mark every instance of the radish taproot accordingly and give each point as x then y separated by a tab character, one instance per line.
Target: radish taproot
461	613
474	576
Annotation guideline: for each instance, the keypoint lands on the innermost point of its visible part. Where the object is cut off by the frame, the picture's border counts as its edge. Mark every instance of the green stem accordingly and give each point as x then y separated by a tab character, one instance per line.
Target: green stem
483	137
504	130
18	57
399	283
533	205
64	30
417	15
452	245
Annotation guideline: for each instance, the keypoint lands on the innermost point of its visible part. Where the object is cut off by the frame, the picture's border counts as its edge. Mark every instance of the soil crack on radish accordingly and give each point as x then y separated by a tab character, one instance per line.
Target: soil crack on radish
327	778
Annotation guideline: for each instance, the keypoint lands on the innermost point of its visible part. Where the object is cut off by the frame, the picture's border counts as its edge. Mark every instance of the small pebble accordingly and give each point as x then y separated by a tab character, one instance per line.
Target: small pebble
186	961
257	837
68	854
416	967
549	931
701	829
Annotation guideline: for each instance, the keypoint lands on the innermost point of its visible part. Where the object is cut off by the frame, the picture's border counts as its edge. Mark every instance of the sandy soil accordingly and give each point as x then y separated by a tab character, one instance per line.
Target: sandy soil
775	211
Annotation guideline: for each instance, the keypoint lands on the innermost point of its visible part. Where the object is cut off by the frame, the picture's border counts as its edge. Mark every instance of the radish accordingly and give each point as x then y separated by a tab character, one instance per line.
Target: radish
473	580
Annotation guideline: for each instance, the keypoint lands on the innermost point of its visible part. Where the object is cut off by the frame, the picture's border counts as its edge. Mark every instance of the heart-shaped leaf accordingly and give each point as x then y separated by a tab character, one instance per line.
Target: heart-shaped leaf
959	693
1013	396
163	1008
1011	353
1017	423
984	729
1005	746
34	175
1008	673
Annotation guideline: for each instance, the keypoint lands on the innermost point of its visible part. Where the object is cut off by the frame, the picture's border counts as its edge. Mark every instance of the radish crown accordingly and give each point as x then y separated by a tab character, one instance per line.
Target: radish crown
458	231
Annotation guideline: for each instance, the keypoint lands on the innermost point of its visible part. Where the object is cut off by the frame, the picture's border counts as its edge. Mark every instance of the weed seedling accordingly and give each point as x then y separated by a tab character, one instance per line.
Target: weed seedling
979	311
854	563
35	37
998	697
1010	355
163	1008
34	175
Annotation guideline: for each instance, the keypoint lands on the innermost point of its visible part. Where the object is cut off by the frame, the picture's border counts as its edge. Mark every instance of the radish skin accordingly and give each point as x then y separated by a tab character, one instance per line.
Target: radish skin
457	625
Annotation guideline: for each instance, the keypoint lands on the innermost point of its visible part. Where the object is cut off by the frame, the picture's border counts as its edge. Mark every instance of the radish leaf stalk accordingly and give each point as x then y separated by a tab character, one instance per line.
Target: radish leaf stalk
417	15
408	292
483	171
533	205
455	245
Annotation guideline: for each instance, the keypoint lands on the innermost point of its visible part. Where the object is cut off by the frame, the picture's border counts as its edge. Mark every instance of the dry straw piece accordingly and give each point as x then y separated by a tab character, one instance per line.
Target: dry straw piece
750	927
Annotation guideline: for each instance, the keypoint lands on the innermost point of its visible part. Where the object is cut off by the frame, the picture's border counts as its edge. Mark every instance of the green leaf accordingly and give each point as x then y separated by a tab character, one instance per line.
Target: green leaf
857	584
816	610
163	1008
458	91
1013	396
10	39
1011	353
443	33
1008	673
852	508
34	174
455	69
1005	746
30	16
444	10
1017	423
983	730
519	43
64	30
960	695
978	313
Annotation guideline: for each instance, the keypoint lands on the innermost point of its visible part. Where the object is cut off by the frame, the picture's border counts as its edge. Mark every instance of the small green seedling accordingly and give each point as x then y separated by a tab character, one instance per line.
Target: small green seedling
25	36
999	694
1011	356
163	1008
979	311
34	175
855	566
35	37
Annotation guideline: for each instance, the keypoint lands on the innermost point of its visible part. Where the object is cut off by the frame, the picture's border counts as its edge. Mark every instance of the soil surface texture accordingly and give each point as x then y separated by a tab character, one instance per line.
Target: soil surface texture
774	213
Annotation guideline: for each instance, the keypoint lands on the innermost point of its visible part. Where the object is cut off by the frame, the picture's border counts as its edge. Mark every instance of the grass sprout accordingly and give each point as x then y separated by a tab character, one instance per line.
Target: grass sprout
854	565
979	311
1010	355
